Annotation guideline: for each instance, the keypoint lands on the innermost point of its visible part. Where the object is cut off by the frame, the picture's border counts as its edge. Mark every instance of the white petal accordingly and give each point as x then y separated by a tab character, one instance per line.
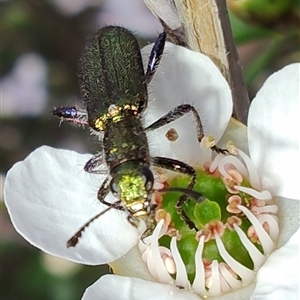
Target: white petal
187	77
131	265
279	276
236	132
49	197
289	217
273	132
166	11
113	287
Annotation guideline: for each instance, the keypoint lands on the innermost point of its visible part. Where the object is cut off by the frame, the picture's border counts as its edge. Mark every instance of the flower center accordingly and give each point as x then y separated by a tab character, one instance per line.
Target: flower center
237	229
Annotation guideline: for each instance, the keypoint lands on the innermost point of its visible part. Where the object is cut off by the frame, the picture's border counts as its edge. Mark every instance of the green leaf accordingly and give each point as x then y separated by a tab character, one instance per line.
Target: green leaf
243	32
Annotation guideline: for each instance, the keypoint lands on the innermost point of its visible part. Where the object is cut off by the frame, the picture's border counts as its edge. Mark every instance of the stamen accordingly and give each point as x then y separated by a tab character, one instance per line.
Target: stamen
253	174
199	281
143	244
215	226
246	275
158	185
232	149
229	276
162	273
230	183
251	232
225	287
257	203
213	278
263	195
273	228
215	173
233	220
264	238
157	198
161	214
207	267
145	253
205	233
181	274
234	201
272	209
169	263
235	175
257	257
208	141
232	160
151	265
160	180
214	165
213	283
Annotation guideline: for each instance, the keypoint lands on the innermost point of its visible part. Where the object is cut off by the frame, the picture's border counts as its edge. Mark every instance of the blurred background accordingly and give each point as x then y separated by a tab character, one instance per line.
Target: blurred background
41	42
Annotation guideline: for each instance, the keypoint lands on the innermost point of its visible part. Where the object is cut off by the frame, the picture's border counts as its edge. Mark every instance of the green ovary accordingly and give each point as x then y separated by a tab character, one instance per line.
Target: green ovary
212	208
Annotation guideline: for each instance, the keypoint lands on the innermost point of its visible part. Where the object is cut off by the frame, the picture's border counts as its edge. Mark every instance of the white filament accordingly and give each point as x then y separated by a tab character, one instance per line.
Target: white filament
233	161
181	274
199	281
264	238
263	195
246	274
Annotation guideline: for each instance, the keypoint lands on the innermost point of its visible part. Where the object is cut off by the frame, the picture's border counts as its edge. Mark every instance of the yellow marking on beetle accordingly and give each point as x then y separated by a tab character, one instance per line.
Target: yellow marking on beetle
99	124
135	206
139	214
115	113
117	119
113	150
114	110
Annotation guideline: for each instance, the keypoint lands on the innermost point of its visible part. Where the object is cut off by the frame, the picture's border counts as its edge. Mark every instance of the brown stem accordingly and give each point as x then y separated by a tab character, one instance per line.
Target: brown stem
207	30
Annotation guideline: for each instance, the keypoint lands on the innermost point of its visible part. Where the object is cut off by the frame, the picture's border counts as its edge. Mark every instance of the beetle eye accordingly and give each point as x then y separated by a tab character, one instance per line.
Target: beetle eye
148	178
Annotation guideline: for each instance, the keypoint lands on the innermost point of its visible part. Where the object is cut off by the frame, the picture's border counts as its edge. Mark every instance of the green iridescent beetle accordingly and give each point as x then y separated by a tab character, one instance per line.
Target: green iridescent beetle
113	85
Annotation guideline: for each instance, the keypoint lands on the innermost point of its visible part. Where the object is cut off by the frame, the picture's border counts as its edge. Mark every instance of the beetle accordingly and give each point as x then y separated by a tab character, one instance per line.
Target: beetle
113	85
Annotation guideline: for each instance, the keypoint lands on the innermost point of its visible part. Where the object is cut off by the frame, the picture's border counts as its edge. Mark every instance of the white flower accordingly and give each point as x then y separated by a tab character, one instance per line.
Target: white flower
49	196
